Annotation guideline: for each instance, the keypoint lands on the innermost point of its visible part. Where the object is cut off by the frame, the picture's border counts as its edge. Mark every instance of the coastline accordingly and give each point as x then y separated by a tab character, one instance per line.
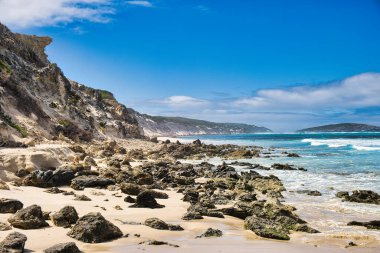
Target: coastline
235	237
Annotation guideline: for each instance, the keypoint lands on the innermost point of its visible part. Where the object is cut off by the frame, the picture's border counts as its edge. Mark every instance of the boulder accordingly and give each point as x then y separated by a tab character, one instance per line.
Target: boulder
49	178
131	189
10	205
146	199
129	199
13	243
3	185
266	228
30	217
210	232
363	196
310	192
375	224
69	247
161	225
65	217
94	228
81	182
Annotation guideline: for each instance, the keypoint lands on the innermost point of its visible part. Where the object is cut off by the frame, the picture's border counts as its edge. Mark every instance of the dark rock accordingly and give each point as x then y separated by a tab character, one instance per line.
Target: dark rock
10	205
69	247
129	199
49	178
192	215
82	198
81	182
191	196
13	243
310	192
161	225
131	189
146	199
158	243
375	224
363	196
54	190
94	228
266	228
210	232
30	217
342	194
65	217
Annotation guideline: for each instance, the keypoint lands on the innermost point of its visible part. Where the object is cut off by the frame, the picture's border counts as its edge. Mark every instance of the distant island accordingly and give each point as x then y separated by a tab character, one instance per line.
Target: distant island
343	127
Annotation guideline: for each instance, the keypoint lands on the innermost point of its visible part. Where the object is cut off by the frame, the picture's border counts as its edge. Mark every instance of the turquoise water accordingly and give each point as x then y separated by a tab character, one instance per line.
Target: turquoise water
340	153
335	162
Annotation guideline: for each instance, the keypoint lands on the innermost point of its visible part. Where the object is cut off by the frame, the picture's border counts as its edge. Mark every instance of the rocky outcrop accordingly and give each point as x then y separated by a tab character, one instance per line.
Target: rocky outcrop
13	243
94	228
10	205
30	217
360	196
146	199
69	247
65	217
210	232
49	178
161	225
375	224
36	99
81	182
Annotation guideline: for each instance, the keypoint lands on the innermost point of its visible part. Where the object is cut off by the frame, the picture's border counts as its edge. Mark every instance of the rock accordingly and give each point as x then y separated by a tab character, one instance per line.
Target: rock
158	243
81	182
30	217
69	247
342	194
363	196
375	224
65	217
146	199
89	161
82	198
131	189
10	205
94	228
49	178
192	215
310	192
210	232
13	243
117	207
3	185
5	226
191	196
129	199
161	225
266	228
54	190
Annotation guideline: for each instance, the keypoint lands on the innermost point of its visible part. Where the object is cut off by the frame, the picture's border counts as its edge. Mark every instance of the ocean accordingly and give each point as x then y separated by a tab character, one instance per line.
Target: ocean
334	162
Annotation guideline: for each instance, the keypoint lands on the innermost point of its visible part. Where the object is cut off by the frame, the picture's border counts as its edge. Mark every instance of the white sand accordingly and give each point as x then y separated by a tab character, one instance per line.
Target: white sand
235	238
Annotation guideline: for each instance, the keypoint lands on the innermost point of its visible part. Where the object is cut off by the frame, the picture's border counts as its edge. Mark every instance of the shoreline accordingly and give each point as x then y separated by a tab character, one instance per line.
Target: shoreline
234	234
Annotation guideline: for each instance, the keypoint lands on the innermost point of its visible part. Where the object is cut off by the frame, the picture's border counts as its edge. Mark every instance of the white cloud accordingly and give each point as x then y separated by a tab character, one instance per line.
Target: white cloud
184	101
286	109
351	93
30	13
140	3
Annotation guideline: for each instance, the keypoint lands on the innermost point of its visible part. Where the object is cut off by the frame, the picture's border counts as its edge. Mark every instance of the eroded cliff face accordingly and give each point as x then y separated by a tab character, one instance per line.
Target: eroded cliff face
37	100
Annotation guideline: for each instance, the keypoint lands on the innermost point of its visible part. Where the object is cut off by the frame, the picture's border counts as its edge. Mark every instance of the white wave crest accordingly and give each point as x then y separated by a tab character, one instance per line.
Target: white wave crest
358	144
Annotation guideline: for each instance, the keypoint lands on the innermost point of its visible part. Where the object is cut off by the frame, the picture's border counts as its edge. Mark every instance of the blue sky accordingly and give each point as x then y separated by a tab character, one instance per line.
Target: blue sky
282	64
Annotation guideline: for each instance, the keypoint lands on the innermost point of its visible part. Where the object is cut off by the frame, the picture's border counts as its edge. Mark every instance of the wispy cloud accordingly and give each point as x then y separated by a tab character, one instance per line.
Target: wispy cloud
31	13
141	3
183	101
354	99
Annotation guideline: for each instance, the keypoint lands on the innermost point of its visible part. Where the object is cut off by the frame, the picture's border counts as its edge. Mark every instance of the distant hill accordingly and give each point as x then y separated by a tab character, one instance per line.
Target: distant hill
177	126
343	127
